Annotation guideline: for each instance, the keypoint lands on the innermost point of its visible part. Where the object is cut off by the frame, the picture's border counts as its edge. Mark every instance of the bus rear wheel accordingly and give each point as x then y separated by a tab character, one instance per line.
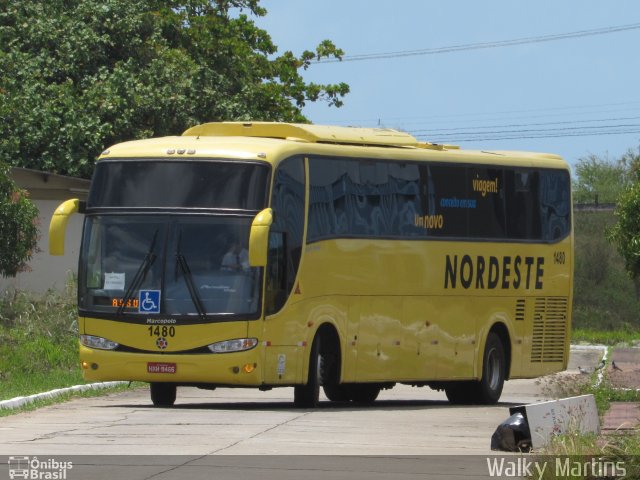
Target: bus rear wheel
486	391
307	396
489	388
163	394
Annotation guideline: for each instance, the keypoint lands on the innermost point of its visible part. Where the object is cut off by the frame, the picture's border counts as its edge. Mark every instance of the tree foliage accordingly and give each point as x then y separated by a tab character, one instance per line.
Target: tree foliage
602	180
625	234
18	229
79	75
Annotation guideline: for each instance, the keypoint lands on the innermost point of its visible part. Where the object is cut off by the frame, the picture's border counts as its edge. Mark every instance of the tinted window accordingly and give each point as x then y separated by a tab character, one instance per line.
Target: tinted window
160	183
369	198
372	198
487	219
555	204
522	204
449	199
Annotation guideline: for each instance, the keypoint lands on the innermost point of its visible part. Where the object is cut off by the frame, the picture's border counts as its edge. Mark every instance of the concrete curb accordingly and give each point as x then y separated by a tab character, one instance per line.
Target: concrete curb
605	354
18	402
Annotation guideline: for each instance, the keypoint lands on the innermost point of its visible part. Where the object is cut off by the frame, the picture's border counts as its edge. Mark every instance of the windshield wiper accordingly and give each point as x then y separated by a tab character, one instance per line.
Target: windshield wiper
188	278
140	275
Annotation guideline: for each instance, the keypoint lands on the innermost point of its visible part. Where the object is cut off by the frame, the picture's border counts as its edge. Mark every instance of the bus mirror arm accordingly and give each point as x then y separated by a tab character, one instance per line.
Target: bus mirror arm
58	224
259	238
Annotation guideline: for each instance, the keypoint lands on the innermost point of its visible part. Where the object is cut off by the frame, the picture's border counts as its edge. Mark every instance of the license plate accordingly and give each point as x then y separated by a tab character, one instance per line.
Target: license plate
155	367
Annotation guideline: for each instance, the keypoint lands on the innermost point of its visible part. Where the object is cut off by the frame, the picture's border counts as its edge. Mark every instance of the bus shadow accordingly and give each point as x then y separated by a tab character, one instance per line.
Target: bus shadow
381	405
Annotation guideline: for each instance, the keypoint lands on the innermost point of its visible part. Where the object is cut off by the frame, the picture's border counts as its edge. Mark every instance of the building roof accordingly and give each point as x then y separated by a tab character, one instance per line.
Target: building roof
50	186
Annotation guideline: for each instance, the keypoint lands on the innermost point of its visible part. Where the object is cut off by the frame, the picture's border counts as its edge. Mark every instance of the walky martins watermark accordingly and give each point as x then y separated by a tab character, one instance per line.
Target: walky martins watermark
559	467
34	468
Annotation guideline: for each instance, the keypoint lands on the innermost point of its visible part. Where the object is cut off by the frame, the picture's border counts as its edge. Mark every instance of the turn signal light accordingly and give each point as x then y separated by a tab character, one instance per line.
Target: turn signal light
249	367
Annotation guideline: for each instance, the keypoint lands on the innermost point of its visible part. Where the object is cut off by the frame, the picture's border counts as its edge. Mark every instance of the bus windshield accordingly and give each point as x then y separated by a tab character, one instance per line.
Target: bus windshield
188	265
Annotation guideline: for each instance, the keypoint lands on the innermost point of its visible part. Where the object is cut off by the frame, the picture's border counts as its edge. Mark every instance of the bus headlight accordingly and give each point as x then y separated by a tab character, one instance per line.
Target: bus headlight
236	345
98	342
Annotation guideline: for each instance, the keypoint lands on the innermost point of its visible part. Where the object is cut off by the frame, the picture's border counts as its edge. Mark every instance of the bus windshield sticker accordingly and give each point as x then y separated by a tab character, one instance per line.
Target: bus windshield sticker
149	301
114	281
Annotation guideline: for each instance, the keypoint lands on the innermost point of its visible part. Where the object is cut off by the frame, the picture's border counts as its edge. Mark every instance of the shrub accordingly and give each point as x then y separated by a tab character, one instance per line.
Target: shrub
18	226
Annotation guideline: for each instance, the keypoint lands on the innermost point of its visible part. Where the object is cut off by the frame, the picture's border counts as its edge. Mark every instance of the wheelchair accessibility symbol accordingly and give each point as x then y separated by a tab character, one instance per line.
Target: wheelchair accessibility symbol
149	301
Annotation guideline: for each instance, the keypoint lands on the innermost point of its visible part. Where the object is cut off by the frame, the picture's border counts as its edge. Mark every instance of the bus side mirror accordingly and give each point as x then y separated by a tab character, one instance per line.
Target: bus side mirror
58	225
259	238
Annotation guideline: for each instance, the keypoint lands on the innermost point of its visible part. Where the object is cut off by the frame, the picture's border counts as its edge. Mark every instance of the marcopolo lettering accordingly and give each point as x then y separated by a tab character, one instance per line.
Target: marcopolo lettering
490	273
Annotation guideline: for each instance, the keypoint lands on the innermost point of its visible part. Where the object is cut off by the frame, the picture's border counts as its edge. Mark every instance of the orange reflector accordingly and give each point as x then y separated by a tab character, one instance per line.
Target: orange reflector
249	367
84	365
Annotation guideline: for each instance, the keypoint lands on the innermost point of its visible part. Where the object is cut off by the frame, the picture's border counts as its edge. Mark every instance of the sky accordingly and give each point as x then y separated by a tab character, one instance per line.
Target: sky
570	97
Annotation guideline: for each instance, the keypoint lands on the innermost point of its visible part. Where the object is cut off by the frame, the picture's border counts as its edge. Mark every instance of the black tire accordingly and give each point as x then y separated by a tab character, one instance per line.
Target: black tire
336	393
307	396
163	394
364	392
494	366
460	393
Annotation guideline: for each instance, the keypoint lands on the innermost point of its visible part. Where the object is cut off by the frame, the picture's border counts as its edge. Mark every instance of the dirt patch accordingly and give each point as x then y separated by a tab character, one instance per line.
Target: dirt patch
624	369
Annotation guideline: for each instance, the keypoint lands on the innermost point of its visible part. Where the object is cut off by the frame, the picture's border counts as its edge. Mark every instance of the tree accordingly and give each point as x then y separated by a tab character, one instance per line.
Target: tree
598	180
80	75
625	234
18	229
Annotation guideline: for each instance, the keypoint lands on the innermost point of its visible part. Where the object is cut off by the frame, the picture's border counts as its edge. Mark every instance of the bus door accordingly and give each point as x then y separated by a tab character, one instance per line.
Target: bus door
284	325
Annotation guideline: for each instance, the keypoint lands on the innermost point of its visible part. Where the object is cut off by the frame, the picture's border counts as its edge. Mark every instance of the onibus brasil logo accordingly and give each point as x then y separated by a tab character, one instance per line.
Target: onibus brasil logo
38	469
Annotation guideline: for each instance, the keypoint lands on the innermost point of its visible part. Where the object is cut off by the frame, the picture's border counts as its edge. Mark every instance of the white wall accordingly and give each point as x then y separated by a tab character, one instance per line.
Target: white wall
46	271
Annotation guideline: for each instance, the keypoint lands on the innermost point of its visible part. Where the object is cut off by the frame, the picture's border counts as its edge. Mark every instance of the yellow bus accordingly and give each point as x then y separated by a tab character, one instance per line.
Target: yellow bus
269	255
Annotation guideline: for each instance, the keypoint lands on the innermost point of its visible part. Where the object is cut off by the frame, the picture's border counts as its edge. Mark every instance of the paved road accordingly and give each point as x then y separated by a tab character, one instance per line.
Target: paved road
405	421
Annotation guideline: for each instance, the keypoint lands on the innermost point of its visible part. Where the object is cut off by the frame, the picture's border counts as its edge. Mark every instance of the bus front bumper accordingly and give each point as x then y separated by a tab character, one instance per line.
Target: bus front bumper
233	369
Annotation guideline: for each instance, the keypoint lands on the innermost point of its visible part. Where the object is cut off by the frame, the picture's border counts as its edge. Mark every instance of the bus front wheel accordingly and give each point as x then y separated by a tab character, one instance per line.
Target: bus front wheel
163	394
336	393
307	396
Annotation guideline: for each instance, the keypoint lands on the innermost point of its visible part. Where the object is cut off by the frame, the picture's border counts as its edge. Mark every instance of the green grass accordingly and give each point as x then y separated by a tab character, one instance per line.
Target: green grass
38	343
39	348
622	336
604	295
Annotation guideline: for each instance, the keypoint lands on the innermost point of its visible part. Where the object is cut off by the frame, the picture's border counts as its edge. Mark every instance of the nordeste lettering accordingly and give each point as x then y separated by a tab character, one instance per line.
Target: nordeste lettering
481	272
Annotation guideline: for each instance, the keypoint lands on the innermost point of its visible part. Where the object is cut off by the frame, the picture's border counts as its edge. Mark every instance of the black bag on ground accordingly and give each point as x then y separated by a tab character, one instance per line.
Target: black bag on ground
512	435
